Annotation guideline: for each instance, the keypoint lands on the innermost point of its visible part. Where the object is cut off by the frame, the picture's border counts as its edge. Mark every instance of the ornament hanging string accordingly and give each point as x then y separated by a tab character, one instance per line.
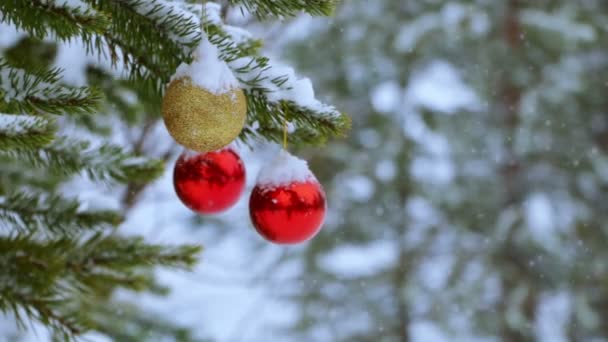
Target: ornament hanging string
285	127
285	133
203	17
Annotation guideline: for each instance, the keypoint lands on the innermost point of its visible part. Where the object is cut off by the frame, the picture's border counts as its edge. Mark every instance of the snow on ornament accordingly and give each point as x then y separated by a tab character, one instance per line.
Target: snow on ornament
287	205
211	182
204	109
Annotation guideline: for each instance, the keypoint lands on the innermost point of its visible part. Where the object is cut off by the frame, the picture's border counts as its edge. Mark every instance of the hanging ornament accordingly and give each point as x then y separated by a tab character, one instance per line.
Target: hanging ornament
288	204
211	182
203	108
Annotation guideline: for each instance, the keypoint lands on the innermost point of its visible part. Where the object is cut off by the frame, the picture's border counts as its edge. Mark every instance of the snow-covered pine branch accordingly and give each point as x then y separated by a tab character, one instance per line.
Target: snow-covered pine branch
67	156
178	23
61	19
274	92
40	277
42	93
145	38
43	214
286	8
25	131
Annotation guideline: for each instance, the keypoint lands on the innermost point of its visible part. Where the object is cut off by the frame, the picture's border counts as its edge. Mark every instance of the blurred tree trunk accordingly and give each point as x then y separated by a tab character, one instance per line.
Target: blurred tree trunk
514	273
403	312
405	261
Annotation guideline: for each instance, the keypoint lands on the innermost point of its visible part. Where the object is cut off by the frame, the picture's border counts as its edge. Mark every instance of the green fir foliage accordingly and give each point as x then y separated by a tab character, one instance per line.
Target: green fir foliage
62	263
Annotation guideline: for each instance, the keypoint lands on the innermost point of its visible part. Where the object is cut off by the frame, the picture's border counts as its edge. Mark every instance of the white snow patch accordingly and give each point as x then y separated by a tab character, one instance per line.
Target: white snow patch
439	87
449	20
13	125
285	169
559	24
213	13
75	4
452	14
359	188
13	80
280	82
435	170
539	214
420	210
386	170
553	317
386	96
369	138
435	271
161	9
410	34
207	70
427	331
480	24
295	89
360	260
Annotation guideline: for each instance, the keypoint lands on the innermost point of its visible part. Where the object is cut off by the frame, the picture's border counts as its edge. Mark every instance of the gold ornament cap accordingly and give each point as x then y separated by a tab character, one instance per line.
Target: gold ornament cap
200	120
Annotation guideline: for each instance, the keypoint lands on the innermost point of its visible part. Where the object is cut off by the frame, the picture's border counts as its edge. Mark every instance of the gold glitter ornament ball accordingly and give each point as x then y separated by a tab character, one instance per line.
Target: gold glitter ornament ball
200	120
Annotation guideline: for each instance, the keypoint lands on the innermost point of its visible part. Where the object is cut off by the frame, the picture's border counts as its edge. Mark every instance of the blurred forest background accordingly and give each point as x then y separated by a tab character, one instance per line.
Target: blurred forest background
468	203
477	171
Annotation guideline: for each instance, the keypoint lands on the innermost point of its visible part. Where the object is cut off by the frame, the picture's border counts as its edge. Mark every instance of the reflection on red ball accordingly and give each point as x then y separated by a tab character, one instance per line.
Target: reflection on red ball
209	183
288	214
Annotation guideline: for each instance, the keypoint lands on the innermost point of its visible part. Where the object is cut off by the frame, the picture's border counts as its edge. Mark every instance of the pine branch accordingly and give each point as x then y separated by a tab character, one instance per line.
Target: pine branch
266	120
30	286
41	93
270	103
272	91
107	162
233	42
120	254
27	132
46	311
133	324
51	215
42	18
150	37
265	9
42	279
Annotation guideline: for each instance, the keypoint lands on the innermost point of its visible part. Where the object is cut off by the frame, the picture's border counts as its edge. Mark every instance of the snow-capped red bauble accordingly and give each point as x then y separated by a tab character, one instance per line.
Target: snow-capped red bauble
287	205
211	182
204	108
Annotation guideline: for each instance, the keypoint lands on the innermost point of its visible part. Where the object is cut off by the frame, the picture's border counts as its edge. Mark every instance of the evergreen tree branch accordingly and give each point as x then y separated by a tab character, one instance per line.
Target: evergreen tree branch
107	162
41	93
45	18
46	311
30	287
27	132
110	253
265	9
51	215
133	324
150	37
41	278
233	42
271	90
266	120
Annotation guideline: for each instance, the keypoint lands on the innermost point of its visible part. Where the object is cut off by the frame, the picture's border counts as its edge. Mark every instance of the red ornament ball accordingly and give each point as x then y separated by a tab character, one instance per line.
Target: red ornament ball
211	182
290	213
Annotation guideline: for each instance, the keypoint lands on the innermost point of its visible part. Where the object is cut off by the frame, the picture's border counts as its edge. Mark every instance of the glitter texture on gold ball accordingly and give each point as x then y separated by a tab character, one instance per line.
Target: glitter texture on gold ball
200	120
